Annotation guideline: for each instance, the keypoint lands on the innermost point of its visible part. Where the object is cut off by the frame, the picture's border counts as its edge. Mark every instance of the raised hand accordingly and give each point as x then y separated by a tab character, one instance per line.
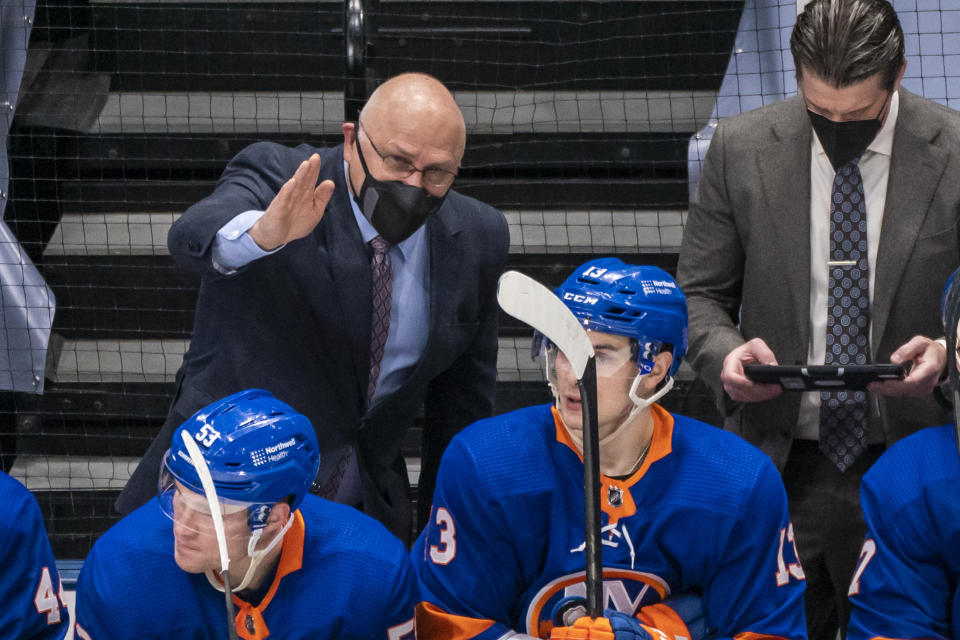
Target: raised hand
296	209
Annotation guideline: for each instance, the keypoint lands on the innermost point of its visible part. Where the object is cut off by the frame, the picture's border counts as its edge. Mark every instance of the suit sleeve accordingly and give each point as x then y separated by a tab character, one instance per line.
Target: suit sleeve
710	268
30	589
900	588
465	560
249	182
465	391
758	583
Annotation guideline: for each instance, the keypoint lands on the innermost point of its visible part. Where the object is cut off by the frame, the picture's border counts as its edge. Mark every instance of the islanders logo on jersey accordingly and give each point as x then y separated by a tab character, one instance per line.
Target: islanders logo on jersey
625	590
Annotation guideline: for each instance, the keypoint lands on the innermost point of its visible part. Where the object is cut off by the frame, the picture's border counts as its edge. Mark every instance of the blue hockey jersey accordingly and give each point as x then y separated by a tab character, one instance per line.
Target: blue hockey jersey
905	585
341	575
31	596
705	513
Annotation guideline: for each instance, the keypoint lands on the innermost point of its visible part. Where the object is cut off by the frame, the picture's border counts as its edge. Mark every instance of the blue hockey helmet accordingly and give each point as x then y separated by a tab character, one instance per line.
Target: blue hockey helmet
640	302
950	317
259	450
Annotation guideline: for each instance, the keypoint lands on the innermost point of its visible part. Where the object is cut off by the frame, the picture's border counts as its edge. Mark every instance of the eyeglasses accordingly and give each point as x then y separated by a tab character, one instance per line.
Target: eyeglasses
435	177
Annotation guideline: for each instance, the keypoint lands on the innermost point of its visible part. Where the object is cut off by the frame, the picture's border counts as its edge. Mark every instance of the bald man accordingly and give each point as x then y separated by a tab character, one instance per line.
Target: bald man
308	257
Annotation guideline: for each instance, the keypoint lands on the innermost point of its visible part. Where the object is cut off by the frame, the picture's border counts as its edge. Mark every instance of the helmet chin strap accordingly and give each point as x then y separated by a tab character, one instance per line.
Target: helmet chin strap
256	557
639	405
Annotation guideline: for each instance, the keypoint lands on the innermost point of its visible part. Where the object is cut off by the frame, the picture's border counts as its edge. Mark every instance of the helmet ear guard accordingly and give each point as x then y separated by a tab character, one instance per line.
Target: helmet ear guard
950	319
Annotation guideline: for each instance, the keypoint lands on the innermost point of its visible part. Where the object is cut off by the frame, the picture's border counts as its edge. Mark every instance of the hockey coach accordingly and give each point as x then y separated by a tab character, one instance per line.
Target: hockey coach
355	284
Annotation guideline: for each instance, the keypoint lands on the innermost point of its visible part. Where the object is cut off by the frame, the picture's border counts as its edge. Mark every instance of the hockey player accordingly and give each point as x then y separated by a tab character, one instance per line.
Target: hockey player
31	595
687	508
300	566
905	584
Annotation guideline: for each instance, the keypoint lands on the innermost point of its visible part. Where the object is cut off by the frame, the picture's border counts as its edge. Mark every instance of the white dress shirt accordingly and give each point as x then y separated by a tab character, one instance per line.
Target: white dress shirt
875	171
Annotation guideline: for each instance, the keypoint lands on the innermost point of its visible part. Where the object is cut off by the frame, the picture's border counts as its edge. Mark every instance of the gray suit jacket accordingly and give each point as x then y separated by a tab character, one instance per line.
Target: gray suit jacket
745	260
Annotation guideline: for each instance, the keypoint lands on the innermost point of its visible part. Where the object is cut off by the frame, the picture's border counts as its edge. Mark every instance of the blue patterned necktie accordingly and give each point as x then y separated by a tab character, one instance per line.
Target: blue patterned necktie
843	414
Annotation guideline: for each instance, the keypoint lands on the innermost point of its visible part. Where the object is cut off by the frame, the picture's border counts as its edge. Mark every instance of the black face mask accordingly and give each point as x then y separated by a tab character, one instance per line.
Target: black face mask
394	209
844	141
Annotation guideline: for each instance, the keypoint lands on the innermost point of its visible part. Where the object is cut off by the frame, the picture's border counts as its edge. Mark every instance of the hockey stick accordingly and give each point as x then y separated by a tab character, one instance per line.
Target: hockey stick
214	503
532	303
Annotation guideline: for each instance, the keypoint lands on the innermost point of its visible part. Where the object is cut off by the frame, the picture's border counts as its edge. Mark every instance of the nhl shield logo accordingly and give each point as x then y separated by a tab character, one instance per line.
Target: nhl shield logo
615	496
249	625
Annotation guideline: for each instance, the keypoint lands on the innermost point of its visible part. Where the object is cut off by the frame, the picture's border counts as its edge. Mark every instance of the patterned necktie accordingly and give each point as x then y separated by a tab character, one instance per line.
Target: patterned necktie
843	414
380	321
344	485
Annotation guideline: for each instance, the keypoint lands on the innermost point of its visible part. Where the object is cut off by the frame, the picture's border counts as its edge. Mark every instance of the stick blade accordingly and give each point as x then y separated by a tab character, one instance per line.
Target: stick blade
532	303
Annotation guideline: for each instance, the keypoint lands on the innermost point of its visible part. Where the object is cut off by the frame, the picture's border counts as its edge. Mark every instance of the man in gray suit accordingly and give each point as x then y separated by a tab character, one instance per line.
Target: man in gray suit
822	231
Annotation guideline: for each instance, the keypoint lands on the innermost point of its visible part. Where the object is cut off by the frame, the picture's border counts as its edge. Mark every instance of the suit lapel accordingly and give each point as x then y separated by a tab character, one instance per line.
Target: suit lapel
916	167
349	270
784	168
444	273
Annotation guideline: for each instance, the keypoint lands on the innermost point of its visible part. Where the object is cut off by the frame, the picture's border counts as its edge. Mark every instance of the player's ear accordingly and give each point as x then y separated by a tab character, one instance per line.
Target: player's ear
652	380
278	515
661	366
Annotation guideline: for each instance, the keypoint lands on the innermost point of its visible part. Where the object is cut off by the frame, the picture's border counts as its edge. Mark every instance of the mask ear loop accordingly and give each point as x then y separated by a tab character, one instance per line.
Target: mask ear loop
256	557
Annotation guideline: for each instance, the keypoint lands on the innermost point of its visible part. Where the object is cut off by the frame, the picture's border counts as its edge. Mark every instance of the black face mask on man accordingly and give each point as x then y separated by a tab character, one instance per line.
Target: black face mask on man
394	209
844	141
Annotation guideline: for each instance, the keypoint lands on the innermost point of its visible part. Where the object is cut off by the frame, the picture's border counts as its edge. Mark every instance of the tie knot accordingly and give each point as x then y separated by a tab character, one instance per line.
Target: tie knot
379	245
850	166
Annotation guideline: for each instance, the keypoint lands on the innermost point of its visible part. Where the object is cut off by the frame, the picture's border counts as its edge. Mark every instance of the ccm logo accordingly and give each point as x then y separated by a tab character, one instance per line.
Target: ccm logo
582	299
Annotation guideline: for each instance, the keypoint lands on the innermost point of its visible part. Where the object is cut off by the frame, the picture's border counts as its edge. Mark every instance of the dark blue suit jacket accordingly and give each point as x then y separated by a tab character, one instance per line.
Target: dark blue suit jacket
297	322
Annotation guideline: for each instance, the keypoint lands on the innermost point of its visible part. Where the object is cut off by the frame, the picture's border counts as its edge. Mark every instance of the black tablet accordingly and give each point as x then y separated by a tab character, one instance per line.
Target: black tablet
823	377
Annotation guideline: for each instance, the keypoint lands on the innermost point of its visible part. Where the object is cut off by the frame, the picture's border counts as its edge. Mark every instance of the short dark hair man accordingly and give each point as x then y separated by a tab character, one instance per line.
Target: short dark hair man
820	232
354	283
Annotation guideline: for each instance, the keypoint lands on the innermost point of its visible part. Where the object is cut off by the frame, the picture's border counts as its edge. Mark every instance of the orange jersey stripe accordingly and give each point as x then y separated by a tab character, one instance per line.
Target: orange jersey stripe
249	620
660	447
433	622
